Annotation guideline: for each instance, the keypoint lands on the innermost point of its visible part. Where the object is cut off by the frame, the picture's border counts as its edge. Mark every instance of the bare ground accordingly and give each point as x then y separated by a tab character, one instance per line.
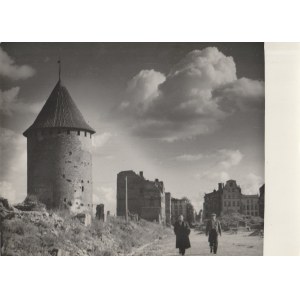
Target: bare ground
240	244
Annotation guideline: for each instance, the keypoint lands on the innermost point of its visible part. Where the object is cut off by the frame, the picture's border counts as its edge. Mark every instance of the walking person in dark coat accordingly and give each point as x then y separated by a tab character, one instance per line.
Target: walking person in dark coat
213	230
182	231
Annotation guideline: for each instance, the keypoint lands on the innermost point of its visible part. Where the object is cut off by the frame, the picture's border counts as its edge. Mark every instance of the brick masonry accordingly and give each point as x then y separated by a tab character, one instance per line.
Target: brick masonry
59	168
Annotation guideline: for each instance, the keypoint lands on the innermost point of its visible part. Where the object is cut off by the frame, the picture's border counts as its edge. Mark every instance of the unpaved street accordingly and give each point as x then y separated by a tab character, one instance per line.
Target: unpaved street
229	244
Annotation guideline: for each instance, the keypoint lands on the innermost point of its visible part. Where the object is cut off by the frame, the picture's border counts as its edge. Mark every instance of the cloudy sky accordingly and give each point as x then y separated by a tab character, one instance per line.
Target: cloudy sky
190	114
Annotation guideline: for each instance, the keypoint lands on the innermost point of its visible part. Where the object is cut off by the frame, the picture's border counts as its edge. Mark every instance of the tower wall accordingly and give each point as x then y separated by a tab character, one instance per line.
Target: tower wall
59	168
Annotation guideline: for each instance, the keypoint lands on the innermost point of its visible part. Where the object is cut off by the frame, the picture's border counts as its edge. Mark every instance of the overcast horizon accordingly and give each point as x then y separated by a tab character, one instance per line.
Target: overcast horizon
190	114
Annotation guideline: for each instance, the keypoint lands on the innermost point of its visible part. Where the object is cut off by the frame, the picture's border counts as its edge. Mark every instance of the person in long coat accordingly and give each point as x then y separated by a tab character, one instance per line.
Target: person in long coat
213	230
182	231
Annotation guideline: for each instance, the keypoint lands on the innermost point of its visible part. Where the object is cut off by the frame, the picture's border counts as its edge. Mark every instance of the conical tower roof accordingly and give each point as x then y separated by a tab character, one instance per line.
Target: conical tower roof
60	111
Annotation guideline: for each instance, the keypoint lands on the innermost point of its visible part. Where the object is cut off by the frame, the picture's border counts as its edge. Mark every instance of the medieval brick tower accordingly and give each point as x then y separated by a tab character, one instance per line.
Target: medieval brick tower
59	156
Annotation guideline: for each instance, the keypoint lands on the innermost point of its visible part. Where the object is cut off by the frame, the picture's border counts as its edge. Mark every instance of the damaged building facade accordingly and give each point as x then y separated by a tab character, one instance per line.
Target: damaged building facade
182	207
228	198
59	154
145	198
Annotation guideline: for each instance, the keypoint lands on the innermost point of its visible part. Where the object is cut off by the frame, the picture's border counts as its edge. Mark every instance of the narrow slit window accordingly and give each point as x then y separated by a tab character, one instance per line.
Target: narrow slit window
78	132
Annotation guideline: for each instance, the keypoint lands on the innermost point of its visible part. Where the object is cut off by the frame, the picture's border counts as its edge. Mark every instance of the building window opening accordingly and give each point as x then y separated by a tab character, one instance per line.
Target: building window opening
82	188
78	132
85	133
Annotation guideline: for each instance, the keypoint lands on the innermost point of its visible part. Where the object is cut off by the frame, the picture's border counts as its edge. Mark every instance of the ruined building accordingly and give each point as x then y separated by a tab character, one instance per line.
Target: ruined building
59	156
183	207
213	202
231	197
145	198
168	208
261	201
228	199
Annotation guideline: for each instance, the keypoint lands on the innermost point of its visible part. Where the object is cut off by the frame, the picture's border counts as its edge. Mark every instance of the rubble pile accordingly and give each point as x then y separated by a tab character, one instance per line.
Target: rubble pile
32	230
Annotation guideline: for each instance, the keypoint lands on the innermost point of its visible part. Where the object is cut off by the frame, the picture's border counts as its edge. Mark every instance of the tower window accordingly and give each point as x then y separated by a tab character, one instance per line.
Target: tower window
82	188
70	153
78	132
85	133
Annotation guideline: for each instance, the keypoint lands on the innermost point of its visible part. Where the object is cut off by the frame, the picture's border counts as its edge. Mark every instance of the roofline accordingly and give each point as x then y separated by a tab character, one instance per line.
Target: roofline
26	132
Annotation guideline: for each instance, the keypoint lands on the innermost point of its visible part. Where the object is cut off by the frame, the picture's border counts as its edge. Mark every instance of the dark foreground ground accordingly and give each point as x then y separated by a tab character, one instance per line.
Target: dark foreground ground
229	244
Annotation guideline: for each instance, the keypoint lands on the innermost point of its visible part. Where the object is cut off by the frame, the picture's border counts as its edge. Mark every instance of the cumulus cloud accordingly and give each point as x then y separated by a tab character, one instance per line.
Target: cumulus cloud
100	140
142	89
13	158
213	176
189	157
241	95
229	158
13	153
9	69
191	99
218	166
107	195
10	103
251	184
8	99
223	158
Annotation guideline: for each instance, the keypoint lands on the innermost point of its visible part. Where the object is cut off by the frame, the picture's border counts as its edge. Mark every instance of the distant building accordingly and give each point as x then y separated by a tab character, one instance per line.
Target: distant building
168	208
261	201
182	207
199	216
213	202
191	214
249	205
145	198
178	207
229	199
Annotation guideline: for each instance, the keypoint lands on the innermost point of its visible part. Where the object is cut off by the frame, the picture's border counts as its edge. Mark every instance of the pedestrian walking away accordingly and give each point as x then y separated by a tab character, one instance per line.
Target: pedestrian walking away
213	230
182	231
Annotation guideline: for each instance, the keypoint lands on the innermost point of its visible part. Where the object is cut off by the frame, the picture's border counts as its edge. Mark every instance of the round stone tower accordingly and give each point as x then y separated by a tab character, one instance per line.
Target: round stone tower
59	155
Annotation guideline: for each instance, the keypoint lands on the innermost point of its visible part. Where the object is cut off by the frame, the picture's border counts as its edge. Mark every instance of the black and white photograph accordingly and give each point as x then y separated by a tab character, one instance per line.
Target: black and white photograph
147	149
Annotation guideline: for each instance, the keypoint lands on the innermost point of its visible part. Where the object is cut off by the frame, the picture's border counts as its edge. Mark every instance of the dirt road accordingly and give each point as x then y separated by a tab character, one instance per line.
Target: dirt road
229	244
